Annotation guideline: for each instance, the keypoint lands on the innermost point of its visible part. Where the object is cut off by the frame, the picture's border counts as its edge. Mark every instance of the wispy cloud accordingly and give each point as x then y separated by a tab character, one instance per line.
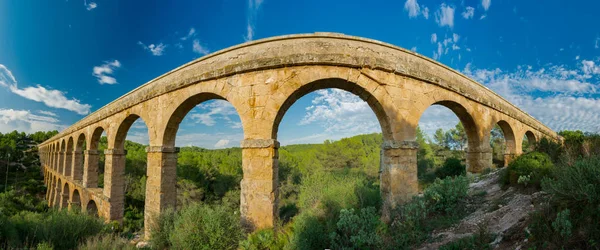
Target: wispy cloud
51	98
468	13
433	38
211	111
198	48
253	8
445	45
190	34
25	121
48	113
104	72
597	43
486	4
412	7
90	5
155	49
445	16
215	140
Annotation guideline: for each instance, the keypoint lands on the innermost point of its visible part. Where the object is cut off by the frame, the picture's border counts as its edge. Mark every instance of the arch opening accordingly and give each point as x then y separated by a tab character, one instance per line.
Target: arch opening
132	139
91	208
76	200
95	172
502	142
57	194
65	196
79	157
529	142
331	133
69	156
61	157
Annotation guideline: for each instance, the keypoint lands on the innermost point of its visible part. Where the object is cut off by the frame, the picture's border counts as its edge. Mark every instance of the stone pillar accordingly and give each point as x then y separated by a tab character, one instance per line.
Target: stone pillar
76	170
114	183
61	162
56	198
508	158
64	199
67	164
398	174
90	169
258	201
479	158
161	190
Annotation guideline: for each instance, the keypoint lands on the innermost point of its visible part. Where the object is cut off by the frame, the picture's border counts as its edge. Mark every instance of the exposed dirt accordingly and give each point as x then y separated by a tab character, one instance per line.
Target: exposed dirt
502	213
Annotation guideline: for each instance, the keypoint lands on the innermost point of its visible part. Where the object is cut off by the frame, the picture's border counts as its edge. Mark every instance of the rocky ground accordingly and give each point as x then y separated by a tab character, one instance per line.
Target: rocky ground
500	213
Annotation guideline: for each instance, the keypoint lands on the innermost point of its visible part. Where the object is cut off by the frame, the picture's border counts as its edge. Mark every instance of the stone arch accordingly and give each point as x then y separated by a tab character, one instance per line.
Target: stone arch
95	138
75	199
172	126
69	156
479	152
65	196
91	208
78	157
509	140
531	138
118	141
337	83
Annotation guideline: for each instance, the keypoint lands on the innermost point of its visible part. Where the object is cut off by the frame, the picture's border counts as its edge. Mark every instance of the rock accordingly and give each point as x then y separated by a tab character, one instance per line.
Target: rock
142	244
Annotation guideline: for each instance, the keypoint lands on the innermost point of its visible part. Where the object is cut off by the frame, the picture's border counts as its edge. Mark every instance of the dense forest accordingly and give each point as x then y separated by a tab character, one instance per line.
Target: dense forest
329	196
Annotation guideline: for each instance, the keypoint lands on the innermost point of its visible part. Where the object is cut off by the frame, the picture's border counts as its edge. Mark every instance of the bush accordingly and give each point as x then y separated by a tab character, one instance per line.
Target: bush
106	242
165	224
444	195
265	240
206	227
357	230
535	165
452	167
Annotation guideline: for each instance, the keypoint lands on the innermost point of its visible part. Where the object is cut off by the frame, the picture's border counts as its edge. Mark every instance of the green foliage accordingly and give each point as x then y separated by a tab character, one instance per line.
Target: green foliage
265	239
479	241
536	165
44	246
161	230
106	242
206	227
452	167
444	195
61	229
357	230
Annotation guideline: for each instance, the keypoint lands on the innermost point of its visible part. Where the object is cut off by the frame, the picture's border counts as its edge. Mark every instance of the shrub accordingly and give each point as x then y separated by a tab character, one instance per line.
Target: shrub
536	165
106	242
265	240
206	227
165	224
444	195
452	167
310	231
357	230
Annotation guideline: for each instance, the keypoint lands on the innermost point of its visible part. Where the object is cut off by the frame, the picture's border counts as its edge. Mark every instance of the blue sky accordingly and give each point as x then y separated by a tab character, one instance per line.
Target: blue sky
61	60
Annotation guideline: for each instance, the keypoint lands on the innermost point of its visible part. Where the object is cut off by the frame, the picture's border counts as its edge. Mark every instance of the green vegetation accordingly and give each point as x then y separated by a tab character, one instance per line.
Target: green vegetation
528	169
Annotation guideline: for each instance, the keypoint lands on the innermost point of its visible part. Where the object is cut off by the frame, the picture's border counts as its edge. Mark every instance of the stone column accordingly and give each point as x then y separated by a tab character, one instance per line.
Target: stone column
479	158
76	170
61	162
398	174
258	201
90	169
114	183
161	192
64	199
56	198
67	164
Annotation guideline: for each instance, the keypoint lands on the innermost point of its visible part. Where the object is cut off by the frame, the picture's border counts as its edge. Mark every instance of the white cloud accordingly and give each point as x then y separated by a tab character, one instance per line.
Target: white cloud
414	48
568	101
43	112
217	110
455	37
198	48
253	8
222	143
468	13
412	7
208	140
433	38
90	6
597	43
445	16
577	57
339	111
51	98
190	34
436	117
426	13
156	50
486	4
25	121
104	71
482	17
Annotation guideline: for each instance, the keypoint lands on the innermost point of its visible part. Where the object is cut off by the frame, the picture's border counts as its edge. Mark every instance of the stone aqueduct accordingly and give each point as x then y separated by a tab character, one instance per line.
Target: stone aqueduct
262	79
